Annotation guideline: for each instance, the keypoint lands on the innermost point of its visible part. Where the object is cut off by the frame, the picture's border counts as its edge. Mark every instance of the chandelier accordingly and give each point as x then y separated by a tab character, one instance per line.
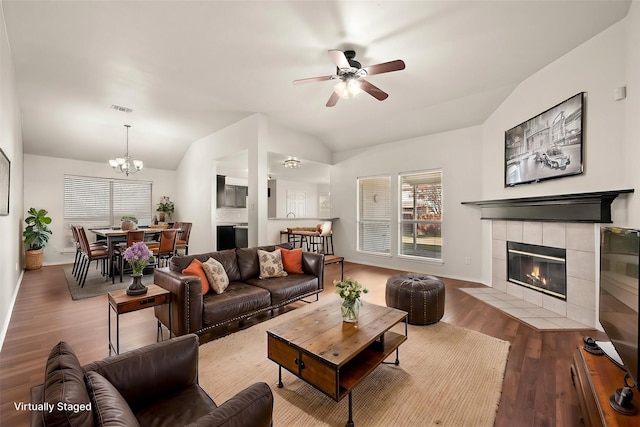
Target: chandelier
292	163
125	164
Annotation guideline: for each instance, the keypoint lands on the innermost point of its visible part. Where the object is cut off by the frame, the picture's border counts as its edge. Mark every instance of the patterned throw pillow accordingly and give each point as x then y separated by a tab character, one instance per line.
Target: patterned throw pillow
271	264
216	275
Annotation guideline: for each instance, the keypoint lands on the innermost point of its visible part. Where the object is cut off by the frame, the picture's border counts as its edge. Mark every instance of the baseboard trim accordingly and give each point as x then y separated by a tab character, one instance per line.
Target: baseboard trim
7	320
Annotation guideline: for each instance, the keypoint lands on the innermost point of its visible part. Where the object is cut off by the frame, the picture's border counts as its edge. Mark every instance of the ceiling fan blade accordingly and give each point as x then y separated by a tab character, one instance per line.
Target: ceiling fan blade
314	79
372	90
385	67
339	59
333	99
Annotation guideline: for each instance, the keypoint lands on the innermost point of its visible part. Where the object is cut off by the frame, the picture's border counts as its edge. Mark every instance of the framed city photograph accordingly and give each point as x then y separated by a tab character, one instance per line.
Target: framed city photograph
5	174
546	146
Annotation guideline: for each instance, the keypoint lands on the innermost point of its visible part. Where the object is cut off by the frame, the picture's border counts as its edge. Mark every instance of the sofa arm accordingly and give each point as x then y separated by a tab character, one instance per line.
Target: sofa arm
313	263
150	373
186	301
253	406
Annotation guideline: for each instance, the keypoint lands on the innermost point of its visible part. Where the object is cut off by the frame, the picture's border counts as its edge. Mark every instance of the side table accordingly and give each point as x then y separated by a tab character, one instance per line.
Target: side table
122	303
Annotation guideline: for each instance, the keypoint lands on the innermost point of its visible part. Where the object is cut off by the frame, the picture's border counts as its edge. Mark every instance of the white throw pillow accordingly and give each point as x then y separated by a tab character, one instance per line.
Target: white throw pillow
271	264
216	275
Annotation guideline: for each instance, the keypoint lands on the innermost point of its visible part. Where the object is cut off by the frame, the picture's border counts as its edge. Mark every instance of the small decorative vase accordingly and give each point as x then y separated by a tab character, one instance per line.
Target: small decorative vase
161	216
350	311
128	225
136	287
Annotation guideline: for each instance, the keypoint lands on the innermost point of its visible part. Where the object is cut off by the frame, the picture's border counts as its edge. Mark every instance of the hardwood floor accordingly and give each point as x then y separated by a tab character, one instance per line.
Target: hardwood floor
537	387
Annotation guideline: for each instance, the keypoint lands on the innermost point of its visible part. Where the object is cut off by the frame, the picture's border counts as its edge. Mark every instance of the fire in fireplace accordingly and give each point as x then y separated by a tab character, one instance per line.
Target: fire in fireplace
541	268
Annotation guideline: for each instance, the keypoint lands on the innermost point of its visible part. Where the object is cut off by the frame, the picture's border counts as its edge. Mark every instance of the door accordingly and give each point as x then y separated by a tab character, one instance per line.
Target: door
296	203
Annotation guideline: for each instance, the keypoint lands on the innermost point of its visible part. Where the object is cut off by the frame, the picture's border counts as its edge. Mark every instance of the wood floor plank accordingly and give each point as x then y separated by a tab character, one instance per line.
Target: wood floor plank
537	387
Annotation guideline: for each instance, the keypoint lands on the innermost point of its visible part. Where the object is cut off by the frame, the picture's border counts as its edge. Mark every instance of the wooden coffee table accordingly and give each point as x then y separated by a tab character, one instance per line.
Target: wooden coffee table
332	355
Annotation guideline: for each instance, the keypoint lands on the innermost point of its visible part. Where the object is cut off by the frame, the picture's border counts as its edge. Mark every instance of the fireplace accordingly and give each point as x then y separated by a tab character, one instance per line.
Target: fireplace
541	268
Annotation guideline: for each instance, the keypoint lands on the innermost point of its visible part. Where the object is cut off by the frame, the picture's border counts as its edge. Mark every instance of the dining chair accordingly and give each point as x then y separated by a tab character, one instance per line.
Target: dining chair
133	236
166	247
78	257
89	255
182	241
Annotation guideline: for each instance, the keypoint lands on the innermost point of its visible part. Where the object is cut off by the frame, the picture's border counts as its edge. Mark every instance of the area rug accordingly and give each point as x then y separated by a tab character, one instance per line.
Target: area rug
97	284
448	376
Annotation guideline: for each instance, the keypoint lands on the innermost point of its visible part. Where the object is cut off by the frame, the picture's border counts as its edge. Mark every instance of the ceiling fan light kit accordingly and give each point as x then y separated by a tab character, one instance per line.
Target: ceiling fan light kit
351	75
348	89
125	164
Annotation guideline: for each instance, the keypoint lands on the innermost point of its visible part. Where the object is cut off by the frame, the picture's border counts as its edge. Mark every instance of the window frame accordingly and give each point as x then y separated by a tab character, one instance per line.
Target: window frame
372	221
415	222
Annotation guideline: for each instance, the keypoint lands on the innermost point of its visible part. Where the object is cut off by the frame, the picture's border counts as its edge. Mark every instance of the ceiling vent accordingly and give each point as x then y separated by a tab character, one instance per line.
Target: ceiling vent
123	109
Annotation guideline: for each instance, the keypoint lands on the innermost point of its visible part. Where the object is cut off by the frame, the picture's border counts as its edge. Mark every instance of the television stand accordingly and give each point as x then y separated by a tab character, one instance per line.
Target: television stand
595	379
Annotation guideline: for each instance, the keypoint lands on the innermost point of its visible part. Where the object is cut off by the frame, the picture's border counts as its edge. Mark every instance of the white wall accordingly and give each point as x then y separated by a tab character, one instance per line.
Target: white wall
11	144
291	143
43	189
611	131
197	173
632	113
457	153
596	67
196	178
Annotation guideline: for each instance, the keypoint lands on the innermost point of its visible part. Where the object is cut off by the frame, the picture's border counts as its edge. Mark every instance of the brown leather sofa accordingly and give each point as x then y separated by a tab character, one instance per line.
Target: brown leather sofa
246	295
156	385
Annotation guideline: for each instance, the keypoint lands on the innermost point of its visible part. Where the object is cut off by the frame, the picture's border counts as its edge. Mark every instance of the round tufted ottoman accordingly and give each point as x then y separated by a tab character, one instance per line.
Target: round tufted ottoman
421	296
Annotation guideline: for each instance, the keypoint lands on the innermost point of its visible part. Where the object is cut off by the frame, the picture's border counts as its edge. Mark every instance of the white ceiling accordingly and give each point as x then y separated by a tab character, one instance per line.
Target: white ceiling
190	68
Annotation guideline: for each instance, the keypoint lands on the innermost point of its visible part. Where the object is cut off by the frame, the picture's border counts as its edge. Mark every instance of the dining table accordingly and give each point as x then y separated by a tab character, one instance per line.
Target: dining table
115	236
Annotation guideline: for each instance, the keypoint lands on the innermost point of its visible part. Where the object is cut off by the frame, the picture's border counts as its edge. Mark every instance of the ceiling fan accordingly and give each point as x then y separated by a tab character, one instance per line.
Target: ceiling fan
351	76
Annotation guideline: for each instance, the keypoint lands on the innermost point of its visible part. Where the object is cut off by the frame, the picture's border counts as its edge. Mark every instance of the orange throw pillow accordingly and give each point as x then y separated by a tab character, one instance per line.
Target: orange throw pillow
195	269
292	260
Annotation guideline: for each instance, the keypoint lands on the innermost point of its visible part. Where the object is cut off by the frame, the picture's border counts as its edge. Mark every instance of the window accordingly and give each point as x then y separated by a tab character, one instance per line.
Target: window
96	202
421	214
374	215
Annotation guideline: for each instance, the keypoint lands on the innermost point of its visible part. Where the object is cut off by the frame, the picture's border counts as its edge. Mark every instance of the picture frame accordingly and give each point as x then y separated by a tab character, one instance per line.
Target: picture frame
547	146
5	183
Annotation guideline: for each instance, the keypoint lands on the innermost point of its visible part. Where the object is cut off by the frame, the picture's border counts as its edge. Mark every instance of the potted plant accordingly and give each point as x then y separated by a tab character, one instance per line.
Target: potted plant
36	236
128	222
165	208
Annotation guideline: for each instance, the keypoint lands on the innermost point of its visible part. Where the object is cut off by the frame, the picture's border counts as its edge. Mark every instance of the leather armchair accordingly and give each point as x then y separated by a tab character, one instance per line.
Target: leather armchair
156	385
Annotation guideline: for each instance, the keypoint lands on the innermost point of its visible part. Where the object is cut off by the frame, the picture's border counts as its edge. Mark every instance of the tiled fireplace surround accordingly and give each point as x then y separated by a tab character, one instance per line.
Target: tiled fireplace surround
579	240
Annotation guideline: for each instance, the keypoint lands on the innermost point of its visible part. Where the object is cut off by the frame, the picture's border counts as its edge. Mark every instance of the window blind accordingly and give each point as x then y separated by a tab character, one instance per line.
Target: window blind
374	214
86	199
132	199
420	221
95	202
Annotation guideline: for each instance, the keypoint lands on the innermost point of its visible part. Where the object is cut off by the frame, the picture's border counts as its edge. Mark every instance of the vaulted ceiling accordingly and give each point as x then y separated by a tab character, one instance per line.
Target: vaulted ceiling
190	68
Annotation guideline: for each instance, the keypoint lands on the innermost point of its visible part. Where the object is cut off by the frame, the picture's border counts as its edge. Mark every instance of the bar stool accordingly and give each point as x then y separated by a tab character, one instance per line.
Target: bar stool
324	239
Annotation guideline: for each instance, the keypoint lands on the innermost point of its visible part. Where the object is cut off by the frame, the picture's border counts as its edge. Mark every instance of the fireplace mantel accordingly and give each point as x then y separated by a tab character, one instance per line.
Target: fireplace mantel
579	207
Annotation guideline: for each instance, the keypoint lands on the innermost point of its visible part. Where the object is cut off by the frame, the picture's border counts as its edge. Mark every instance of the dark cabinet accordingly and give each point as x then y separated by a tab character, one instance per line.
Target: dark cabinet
241	196
230	236
226	237
230	196
220	194
242	237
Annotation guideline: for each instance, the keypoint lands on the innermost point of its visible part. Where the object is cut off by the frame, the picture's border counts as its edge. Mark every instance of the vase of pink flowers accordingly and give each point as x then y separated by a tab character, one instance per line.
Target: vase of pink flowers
138	256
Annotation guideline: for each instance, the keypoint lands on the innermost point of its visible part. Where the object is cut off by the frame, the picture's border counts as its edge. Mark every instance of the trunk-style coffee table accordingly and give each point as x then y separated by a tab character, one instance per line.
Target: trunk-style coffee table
332	355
